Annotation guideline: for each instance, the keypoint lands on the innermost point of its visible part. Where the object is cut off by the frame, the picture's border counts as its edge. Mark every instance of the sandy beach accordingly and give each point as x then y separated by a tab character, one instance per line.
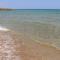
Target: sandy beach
15	46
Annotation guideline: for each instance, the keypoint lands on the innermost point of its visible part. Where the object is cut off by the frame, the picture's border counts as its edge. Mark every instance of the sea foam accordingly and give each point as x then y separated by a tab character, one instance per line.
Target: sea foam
4	29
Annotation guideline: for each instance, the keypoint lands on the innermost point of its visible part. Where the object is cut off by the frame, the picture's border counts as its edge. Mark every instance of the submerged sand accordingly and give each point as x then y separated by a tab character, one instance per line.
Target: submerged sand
15	46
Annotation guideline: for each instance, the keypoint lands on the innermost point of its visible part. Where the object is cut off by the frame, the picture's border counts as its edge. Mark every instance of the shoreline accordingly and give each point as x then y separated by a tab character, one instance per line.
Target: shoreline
41	40
4	29
6	9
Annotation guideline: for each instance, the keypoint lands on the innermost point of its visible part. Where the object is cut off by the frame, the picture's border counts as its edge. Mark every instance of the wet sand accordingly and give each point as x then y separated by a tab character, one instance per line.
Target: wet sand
15	46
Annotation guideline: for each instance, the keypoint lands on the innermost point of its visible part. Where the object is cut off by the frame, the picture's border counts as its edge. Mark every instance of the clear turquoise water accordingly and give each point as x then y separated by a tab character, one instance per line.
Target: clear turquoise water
46	15
41	25
12	19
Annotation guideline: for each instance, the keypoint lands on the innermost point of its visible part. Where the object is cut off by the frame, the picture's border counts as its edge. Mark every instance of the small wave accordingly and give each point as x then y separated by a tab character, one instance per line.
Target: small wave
54	45
4	29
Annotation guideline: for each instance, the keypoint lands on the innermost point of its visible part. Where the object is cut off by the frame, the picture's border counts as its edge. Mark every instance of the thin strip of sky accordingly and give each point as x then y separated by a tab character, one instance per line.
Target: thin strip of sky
30	4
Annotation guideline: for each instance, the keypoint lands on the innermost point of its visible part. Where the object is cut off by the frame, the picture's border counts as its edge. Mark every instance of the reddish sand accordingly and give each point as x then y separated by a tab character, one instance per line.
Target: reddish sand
16	47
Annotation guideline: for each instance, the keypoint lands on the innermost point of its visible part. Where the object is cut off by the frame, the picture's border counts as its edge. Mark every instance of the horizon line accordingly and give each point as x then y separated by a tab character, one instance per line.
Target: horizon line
28	8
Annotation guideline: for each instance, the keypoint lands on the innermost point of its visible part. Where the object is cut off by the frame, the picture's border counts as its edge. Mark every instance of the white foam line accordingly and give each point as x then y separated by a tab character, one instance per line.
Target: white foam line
4	29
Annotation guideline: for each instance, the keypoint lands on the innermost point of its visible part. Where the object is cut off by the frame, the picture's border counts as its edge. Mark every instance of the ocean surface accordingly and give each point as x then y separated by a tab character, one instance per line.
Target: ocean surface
41	25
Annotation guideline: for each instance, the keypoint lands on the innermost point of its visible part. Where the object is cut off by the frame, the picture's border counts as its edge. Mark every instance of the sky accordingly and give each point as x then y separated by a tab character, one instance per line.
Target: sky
30	4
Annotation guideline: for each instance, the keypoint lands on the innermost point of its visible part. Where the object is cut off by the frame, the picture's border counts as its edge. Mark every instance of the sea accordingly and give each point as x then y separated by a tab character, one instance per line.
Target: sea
40	25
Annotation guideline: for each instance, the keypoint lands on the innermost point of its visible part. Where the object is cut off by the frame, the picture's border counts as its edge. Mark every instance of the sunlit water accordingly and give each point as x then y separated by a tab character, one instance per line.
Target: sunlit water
40	25
7	48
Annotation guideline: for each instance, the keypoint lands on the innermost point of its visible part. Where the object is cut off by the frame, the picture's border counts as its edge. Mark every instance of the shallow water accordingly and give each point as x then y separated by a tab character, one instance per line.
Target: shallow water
8	47
40	25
